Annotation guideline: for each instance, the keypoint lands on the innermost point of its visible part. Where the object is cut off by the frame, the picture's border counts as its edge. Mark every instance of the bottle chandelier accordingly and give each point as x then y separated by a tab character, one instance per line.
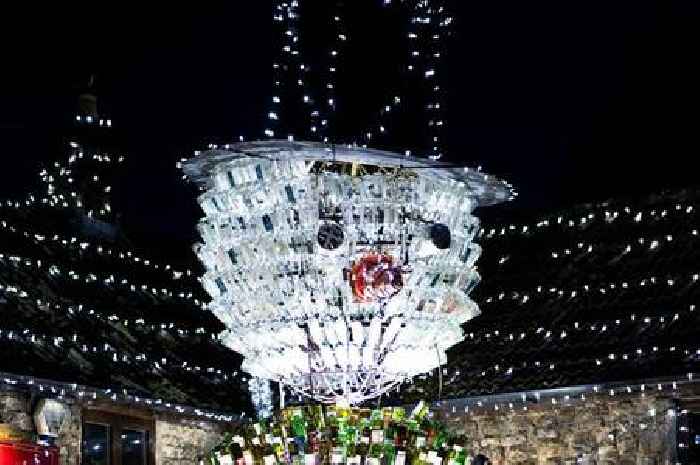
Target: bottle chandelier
338	273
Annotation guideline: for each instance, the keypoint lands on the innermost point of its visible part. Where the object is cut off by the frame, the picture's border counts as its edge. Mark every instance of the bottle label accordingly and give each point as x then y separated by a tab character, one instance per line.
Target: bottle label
224	459
420	442
364	440
269	460
239	440
248	457
372	461
354	460
400	458
337	459
377	436
309	459
256	441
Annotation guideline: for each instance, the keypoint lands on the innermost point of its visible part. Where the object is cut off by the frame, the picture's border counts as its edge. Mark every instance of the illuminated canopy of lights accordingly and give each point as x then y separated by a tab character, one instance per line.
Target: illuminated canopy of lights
339	273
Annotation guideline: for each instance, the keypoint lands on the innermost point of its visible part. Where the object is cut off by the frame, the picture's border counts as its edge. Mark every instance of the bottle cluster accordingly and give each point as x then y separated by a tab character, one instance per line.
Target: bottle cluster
338	435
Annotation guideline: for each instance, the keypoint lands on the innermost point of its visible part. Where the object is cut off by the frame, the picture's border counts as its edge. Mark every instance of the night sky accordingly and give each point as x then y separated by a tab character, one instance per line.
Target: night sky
569	101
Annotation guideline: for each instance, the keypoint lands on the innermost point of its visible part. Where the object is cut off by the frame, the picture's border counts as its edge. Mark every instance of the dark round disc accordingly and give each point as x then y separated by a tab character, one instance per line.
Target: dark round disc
440	235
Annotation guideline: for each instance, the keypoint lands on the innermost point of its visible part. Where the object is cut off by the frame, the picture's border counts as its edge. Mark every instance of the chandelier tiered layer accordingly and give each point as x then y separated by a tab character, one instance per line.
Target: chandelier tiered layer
338	274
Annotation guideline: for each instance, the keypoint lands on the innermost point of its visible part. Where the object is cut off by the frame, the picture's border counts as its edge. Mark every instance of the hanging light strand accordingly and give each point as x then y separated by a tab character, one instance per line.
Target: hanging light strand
559	332
87	311
117	395
596	214
285	16
428	25
646	244
523	297
111	355
327	124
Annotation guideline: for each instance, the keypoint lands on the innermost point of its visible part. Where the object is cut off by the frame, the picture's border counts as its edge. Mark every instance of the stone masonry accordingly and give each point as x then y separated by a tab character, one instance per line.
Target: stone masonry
599	431
180	442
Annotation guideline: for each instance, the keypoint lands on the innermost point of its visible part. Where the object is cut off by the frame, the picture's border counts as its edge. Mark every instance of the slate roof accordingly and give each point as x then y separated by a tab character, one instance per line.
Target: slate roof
606	293
80	305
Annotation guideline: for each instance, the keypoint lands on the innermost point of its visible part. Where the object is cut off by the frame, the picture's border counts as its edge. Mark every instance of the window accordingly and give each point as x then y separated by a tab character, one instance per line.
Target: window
96	444
114	439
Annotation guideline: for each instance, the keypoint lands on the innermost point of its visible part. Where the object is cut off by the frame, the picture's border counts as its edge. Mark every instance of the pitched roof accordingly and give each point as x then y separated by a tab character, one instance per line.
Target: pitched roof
79	305
595	293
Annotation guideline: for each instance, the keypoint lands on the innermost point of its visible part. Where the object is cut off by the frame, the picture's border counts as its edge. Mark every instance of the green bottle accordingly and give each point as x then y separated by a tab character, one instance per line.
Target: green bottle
389	453
375	455
440	439
298	424
458	457
419	412
398	414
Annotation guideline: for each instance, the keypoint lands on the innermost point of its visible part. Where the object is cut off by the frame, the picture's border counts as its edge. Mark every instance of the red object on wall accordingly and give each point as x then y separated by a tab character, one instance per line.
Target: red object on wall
25	453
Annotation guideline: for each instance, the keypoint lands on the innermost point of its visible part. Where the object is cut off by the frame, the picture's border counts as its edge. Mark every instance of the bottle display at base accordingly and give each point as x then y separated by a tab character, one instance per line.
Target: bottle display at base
340	435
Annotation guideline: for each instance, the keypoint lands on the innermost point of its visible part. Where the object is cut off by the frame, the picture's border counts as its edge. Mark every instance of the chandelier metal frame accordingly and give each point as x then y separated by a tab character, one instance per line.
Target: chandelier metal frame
342	272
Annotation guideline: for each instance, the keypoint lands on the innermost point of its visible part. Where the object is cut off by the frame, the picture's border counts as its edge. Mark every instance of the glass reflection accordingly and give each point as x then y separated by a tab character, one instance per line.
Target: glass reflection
134	447
96	447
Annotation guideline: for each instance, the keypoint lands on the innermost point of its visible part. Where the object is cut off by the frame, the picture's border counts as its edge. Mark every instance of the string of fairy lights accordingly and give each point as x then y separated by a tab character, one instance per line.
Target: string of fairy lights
58	199
107	280
643	244
288	68
63	391
522	297
27	336
594	327
64	171
334	54
600	213
101	249
510	369
563	397
87	311
430	19
428	24
62	192
92	121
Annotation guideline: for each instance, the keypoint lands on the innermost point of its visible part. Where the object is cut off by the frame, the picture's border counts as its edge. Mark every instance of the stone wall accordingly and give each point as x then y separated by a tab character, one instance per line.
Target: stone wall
181	441
630	430
15	411
70	437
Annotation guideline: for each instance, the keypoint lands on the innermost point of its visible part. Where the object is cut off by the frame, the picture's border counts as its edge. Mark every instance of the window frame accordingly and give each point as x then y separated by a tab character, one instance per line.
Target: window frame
117	421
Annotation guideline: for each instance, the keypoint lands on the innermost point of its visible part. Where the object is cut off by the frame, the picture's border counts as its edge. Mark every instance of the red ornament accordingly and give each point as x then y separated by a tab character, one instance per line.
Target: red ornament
374	278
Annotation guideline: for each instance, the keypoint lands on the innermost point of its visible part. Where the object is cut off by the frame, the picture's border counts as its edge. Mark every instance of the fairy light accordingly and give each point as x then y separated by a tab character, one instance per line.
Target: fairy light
286	66
580	249
111	355
107	279
428	24
600	214
105	316
544	398
582	290
598	326
117	395
62	182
